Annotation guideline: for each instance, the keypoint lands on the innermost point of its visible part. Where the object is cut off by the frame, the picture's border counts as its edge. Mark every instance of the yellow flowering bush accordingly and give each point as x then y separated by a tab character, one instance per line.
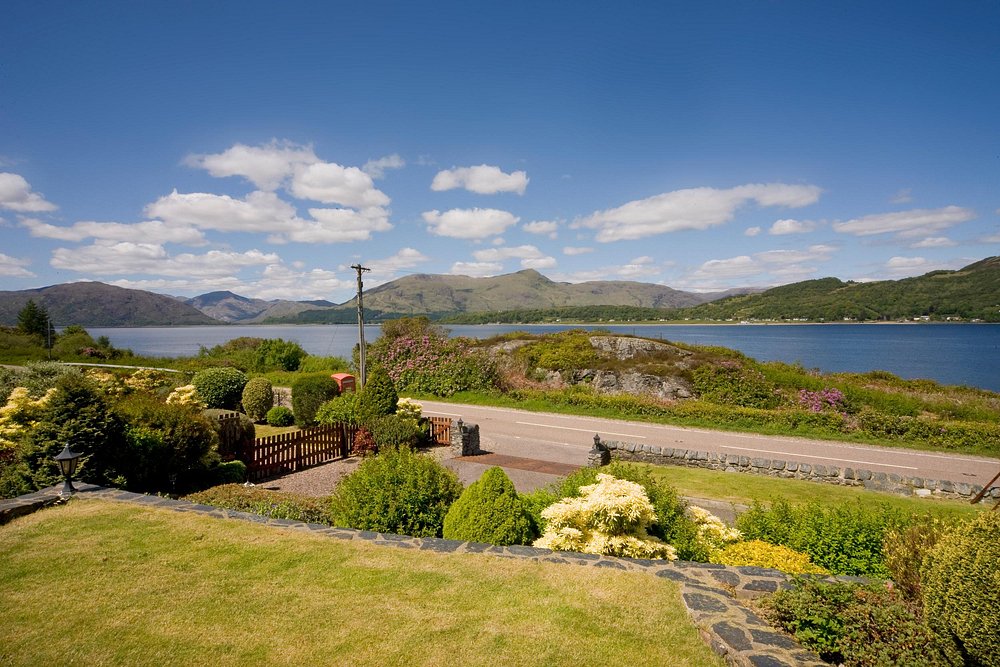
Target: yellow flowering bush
19	413
146	379
763	554
409	409
712	531
108	382
609	517
186	395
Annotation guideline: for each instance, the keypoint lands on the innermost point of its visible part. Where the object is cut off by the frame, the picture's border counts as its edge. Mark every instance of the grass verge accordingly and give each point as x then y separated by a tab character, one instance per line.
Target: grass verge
112	584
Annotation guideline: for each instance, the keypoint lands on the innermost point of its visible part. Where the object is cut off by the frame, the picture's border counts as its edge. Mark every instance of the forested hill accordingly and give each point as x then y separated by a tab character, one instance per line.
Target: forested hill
971	293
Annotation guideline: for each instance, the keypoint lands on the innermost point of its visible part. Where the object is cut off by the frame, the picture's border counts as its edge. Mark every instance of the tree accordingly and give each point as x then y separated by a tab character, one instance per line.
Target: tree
34	320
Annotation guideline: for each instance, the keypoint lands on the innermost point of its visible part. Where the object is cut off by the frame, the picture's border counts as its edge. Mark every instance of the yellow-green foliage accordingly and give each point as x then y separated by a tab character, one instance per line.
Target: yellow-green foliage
20	413
490	511
609	517
961	589
186	395
762	554
146	379
713	533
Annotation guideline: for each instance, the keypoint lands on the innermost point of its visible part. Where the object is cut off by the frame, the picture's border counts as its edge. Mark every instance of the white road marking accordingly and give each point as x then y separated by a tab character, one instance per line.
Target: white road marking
823	458
585	430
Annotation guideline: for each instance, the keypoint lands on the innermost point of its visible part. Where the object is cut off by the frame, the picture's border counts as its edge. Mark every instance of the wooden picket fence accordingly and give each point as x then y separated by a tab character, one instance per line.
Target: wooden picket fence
288	452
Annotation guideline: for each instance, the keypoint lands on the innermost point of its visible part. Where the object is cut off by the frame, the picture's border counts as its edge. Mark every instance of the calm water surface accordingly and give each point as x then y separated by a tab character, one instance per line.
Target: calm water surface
949	353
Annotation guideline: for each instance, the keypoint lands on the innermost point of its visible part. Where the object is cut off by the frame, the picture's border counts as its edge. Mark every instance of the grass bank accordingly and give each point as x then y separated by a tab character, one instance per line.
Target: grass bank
112	584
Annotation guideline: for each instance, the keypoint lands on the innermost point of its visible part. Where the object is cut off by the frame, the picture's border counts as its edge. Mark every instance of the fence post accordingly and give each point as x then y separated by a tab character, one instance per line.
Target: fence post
344	450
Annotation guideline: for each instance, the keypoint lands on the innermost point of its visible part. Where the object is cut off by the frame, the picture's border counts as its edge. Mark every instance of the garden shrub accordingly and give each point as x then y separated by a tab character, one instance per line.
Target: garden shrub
961	590
272	504
397	491
258	398
308	393
855	625
763	554
378	397
186	395
168	447
236	434
490	511
279	415
277	354
844	539
220	387
735	383
44	375
364	443
711	532
395	431
609	517
229	472
340	410
906	548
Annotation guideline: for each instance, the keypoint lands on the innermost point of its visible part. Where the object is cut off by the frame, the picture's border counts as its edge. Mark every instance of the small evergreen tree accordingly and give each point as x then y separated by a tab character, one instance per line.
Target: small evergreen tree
490	511
34	320
378	397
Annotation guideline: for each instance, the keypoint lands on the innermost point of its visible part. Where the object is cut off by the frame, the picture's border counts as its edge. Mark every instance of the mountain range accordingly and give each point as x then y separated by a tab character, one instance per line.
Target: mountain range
972	292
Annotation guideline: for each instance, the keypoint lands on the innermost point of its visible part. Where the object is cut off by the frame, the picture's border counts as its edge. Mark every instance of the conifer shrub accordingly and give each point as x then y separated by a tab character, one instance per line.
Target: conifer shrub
309	392
220	387
279	415
258	398
378	397
490	511
397	491
961	590
395	431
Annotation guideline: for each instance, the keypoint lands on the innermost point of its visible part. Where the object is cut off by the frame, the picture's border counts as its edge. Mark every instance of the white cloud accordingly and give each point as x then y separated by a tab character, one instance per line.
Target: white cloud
549	227
407	258
694	208
266	166
906	224
122	258
530	256
16	195
752	231
14	267
991	238
376	168
475	223
934	242
476	269
258	212
904	267
276	281
338	225
763	268
482	179
788	226
902	196
335	184
150	231
576	250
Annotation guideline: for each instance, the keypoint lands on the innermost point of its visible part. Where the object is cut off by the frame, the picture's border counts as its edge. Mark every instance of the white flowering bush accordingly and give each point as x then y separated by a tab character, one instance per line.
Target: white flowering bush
609	517
146	379
409	409
186	395
713	533
108	382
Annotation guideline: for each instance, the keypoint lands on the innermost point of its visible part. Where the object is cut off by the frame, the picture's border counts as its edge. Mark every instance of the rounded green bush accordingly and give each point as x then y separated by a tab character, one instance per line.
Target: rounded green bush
230	472
397	491
490	511
961	590
279	415
395	431
378	397
340	410
258	398
220	387
309	392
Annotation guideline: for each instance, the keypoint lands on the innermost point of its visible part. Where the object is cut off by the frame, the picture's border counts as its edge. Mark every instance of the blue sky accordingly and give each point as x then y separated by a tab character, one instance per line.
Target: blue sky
263	148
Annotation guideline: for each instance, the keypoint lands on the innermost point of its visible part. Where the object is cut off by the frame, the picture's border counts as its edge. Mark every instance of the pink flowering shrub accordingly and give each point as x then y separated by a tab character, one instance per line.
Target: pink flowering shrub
825	399
434	364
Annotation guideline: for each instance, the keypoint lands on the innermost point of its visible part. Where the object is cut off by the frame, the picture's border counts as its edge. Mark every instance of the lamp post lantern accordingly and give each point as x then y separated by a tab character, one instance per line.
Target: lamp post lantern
67	461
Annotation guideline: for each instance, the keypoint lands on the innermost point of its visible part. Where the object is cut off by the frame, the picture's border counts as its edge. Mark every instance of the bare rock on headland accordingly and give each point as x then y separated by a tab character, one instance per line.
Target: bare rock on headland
628	348
641	384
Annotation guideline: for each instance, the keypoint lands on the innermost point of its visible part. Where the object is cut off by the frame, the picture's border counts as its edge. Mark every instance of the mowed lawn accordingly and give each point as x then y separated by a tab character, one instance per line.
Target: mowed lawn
103	583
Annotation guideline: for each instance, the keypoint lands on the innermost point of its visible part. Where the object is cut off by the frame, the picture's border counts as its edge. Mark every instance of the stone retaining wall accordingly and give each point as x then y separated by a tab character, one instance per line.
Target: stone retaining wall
877	481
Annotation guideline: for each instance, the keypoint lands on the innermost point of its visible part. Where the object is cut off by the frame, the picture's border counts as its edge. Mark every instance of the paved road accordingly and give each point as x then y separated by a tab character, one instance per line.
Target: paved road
567	439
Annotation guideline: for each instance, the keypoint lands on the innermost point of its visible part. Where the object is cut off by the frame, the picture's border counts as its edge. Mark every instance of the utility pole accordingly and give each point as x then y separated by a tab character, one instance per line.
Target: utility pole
362	373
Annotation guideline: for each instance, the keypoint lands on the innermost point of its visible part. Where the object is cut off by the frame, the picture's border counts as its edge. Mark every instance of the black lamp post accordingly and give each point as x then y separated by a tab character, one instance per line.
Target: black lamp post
67	465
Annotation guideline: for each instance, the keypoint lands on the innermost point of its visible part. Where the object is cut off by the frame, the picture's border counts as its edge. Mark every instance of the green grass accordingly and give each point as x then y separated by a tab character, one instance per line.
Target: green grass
104	583
744	488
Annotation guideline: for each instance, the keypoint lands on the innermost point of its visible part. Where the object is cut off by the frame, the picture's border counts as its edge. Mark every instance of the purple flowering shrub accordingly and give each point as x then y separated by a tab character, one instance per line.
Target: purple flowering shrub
825	399
435	365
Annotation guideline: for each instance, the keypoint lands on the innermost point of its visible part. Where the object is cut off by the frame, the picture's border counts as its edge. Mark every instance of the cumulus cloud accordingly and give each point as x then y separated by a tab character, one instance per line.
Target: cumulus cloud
16	195
906	224
934	242
752	231
14	267
106	258
376	168
763	268
482	179
258	212
266	166
475	223
150	231
332	183
548	227
476	269
693	208
406	258
530	256
576	250
788	226
337	225
276	281
905	267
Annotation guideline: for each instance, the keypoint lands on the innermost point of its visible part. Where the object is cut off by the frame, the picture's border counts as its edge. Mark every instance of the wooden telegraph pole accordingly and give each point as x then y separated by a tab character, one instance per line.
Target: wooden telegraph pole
362	373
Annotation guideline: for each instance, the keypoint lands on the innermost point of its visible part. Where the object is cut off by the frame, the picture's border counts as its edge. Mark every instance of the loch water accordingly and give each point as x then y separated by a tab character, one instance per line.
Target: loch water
965	354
